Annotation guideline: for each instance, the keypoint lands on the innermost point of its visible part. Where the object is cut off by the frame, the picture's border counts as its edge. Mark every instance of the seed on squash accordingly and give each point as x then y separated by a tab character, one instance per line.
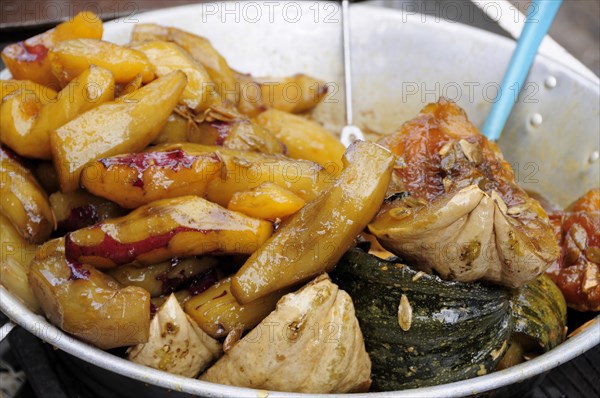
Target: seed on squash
496	353
418	276
482	370
404	313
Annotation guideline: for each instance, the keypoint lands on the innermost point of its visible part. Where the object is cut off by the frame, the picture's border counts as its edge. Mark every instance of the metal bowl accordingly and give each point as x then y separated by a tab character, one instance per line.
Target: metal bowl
401	61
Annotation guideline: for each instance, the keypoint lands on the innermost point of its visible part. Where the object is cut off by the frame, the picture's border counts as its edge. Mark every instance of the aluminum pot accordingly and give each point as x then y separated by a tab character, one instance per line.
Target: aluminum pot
401	61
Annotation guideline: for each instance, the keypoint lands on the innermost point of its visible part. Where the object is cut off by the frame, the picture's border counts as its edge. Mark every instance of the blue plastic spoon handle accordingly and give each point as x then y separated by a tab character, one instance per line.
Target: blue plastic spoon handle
540	17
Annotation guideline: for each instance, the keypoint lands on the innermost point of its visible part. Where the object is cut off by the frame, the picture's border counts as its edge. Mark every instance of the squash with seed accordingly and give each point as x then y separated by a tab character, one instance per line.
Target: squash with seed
420	330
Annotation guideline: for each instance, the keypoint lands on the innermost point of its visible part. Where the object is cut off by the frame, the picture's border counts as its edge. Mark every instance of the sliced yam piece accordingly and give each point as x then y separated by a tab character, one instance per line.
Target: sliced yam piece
304	139
68	59
88	303
28	60
126	125
180	227
137	179
200	92
22	201
268	201
218	313
314	239
91	88
200	49
16	255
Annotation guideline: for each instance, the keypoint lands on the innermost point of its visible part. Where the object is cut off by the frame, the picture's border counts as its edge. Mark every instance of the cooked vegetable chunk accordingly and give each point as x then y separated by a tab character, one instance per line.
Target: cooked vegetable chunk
539	314
8	87
176	344
28	60
304	139
420	330
137	179
15	256
93	87
226	127
70	58
466	217
218	313
180	227
175	129
19	113
125	125
200	49
577	271
244	170
295	94
315	238
79	209
250	96
166	277
267	201
200	92
22	201
316	346
87	303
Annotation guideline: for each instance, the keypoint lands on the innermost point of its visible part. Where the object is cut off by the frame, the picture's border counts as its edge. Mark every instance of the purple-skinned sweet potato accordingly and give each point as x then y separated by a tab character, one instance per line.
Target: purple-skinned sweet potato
180	227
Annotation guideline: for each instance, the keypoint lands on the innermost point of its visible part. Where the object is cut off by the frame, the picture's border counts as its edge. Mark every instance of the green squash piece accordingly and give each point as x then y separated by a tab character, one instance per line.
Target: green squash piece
540	313
456	330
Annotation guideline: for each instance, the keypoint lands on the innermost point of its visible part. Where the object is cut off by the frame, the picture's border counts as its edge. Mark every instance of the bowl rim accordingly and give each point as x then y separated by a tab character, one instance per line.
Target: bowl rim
41	328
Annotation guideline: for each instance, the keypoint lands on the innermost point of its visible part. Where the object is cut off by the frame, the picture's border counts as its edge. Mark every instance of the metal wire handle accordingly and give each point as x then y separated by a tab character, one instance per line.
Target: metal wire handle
350	133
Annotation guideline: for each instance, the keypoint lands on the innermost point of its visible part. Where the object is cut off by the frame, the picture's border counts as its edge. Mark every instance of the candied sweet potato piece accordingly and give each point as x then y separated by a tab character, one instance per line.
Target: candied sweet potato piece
200	49
180	227
68	59
88	303
91	88
15	256
268	201
200	92
244	171
79	209
8	87
304	139
22	201
218	313
166	277
295	94
28	60
226	127
137	179
125	125
314	239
